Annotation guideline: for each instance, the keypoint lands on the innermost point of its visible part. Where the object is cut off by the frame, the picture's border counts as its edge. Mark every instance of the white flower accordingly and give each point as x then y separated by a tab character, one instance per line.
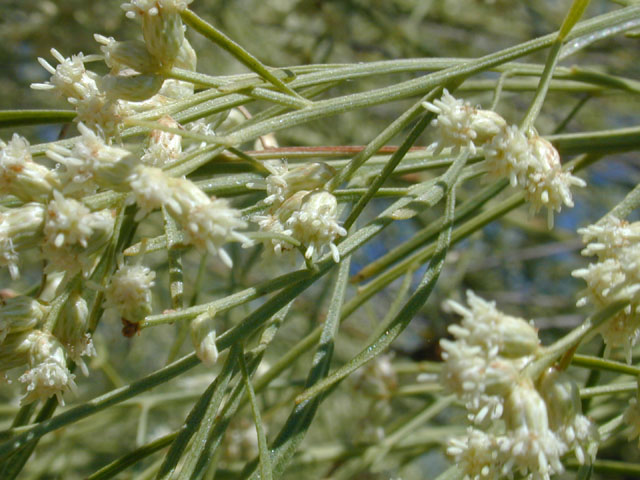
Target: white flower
212	224
20	175
534	164
530	445
614	277
507	155
272	224
100	112
70	78
284	181
477	455
48	373
69	222
315	224
561	395
607	237
203	335
129	292
480	378
208	222
164	147
485	325
460	125
91	160
151	189
72	233
547	185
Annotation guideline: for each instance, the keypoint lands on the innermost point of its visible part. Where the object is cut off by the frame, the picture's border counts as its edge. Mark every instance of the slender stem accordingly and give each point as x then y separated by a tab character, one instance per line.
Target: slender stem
220	39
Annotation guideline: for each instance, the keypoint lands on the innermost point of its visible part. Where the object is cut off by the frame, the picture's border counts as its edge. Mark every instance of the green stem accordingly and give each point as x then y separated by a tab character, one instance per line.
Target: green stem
251	62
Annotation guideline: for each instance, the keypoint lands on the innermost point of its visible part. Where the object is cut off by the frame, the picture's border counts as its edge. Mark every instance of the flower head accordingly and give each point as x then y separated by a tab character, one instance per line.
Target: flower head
129	292
460	125
164	147
486	326
315	224
92	162
212	224
284	181
21	176
70	78
547	185
477	454
48	373
614	277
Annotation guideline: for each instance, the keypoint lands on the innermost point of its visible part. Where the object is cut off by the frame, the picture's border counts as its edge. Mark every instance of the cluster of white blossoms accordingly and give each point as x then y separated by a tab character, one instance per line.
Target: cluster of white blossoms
300	208
136	82
527	159
615	276
41	354
208	222
522	425
64	210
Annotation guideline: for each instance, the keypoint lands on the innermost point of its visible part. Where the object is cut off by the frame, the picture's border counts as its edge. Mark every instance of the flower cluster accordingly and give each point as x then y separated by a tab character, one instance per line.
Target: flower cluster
67	215
615	276
527	159
135	82
523	425
25	344
209	223
299	208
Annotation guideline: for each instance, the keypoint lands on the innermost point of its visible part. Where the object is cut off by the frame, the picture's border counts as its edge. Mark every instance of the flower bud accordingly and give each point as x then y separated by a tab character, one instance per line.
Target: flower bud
134	88
14	350
71	330
129	54
20	228
20	314
203	335
163	34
